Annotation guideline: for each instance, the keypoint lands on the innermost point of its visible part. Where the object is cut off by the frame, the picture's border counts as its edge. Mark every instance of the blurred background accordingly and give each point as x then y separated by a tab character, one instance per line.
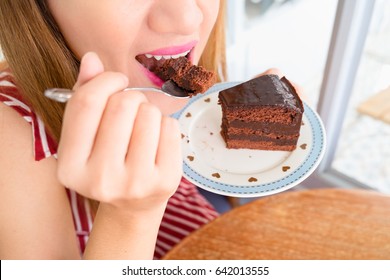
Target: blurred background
339	78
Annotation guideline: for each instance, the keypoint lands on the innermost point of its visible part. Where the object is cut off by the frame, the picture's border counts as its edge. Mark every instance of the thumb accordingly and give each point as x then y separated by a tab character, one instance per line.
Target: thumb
90	66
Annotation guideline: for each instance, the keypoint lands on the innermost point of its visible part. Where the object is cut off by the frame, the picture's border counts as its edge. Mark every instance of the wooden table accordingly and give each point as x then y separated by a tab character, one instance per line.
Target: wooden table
312	224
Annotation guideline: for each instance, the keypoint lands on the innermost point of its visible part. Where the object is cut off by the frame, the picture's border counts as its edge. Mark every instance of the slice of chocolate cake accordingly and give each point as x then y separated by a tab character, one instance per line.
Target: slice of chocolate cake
190	78
169	69
196	80
264	113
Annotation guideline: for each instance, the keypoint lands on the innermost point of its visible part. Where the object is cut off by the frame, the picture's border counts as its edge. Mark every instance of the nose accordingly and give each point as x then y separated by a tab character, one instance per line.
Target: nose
181	17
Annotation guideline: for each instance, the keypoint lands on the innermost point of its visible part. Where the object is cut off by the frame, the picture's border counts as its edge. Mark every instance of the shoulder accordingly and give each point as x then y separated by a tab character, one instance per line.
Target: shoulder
3	65
6	76
8	89
31	189
14	130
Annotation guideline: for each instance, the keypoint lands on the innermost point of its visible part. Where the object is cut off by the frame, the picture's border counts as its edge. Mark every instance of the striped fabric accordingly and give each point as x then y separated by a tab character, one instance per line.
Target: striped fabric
186	211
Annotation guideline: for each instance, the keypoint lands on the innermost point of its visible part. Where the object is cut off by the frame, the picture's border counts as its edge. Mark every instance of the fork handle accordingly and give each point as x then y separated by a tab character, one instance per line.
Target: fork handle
63	94
59	94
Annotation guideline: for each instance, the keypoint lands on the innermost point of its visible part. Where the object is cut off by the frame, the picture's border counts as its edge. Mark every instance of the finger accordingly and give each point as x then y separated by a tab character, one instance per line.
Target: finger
169	155
145	138
90	67
299	90
272	71
116	127
84	112
276	71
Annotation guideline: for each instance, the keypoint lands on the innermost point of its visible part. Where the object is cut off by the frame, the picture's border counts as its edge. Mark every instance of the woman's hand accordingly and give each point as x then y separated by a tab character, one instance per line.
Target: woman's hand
276	71
116	147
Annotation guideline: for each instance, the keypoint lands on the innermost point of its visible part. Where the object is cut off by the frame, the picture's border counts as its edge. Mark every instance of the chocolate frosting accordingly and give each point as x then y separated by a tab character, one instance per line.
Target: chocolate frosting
266	90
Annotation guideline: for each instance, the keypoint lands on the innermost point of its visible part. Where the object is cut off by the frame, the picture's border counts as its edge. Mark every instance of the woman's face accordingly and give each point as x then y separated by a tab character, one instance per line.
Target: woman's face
120	30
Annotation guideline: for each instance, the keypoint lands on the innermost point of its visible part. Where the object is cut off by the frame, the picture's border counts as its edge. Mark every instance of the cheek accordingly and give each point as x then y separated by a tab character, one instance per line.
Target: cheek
210	11
167	105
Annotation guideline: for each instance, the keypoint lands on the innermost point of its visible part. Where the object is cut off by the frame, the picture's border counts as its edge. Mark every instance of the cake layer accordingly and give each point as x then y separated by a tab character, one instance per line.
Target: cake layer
256	134
263	127
274	114
279	140
264	145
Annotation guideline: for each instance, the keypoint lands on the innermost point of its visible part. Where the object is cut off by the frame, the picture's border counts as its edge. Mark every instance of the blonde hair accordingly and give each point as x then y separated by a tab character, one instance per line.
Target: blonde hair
214	55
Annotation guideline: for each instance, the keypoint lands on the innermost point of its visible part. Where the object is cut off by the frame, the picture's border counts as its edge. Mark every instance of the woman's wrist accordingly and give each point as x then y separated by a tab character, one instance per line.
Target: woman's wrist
124	234
130	214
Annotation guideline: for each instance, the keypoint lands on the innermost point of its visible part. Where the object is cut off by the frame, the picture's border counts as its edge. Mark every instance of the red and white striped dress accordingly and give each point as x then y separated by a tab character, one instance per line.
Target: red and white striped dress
187	209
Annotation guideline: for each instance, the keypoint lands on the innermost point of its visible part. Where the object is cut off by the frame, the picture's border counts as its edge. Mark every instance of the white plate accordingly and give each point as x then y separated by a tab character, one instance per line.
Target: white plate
243	172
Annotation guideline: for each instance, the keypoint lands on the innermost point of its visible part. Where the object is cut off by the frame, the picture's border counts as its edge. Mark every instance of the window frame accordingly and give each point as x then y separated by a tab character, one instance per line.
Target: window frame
350	30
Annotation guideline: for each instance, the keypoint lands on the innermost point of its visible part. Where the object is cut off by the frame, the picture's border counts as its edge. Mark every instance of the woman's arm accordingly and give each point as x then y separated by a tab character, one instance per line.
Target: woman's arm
35	215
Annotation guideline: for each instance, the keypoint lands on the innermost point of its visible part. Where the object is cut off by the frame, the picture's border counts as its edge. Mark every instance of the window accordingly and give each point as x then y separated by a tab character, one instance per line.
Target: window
291	35
358	69
338	51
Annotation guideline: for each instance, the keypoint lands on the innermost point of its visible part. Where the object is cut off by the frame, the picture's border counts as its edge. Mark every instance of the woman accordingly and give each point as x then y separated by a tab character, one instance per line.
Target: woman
120	151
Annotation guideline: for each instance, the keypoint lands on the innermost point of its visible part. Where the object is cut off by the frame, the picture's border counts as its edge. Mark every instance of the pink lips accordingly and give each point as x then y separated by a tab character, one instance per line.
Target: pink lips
174	49
166	51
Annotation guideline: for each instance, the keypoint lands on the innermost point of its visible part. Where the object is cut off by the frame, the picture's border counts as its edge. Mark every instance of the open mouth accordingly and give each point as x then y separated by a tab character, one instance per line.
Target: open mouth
179	70
157	63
